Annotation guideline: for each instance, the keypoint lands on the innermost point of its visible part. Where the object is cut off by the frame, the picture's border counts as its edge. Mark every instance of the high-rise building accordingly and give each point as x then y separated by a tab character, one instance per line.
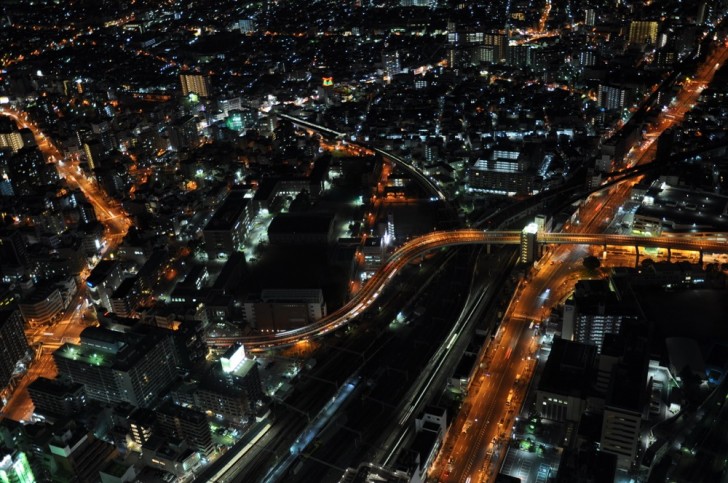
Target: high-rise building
15	468
13	342
78	454
12	140
225	231
418	3
53	397
93	150
103	280
246	25
643	32
13	248
520	55
597	308
141	425
182	133
505	172
499	42
704	11
126	298
43	306
529	244
187	424
231	389
392	63
626	364
10	136
119	367
27	170
590	17
195	84
611	97
373	252
565	385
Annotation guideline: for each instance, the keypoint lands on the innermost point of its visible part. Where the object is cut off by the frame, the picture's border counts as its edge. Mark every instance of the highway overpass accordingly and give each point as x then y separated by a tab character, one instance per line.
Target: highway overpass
412	250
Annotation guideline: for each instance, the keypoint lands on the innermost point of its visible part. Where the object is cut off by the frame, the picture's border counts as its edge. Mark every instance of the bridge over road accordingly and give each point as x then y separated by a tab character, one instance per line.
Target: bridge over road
412	250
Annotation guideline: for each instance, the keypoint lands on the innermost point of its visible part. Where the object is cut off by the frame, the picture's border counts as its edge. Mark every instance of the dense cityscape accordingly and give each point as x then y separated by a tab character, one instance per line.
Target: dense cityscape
363	241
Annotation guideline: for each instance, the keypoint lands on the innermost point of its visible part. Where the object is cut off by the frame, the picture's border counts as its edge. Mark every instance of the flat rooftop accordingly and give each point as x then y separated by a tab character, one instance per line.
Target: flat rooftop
682	209
229	212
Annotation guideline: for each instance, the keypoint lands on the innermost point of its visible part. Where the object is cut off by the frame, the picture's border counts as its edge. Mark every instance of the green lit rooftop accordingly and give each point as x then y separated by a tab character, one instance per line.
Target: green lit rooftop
92	357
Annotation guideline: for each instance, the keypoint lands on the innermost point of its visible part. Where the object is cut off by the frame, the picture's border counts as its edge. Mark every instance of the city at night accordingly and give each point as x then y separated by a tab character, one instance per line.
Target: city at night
363	241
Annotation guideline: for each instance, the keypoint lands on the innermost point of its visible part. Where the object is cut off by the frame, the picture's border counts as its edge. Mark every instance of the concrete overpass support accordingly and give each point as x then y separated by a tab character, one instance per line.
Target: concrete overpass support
637	256
669	254
700	257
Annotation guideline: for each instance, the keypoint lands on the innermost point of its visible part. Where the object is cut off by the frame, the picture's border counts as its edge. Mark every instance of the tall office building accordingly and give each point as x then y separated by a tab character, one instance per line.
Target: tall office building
565	384
13	342
643	32
506	171
119	367
626	364
195	84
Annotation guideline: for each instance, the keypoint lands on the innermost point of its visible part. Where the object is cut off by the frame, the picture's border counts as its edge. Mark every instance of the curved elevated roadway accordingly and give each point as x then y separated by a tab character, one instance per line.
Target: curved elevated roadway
704	242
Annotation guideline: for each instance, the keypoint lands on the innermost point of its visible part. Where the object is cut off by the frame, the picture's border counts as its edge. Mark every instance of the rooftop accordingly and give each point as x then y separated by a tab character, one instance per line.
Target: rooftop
229	212
681	209
569	368
301	223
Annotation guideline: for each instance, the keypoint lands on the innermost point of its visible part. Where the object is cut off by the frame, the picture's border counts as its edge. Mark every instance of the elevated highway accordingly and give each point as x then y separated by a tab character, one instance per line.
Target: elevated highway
412	250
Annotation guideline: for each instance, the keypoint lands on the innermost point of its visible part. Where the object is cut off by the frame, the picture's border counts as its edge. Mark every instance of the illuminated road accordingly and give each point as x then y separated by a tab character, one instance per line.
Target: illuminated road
112	217
408	167
473	455
116	225
412	250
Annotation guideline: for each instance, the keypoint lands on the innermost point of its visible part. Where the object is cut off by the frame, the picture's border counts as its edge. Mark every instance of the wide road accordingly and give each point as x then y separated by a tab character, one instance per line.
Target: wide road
109	214
474	447
116	224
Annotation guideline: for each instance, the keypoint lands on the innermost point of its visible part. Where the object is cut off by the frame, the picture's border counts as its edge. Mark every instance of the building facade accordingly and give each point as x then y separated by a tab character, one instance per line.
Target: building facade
14	344
117	367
